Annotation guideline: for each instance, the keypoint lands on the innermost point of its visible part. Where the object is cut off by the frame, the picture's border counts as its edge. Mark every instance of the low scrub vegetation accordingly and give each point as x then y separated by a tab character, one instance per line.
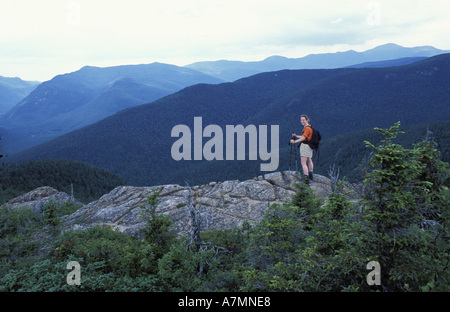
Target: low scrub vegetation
307	244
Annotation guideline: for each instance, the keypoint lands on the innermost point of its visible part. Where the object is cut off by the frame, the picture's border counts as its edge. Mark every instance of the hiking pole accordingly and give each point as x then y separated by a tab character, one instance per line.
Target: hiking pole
290	156
293	146
296	159
290	153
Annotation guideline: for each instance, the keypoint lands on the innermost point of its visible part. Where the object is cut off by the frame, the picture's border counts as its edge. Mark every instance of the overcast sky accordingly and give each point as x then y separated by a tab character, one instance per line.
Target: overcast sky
41	39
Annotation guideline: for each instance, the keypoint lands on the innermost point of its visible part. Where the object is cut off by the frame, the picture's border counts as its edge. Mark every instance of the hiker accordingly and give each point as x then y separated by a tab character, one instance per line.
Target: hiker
306	152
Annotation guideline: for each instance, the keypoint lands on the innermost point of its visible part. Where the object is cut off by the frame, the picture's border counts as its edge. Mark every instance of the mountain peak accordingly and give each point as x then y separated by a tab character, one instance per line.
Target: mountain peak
408	51
388	46
276	58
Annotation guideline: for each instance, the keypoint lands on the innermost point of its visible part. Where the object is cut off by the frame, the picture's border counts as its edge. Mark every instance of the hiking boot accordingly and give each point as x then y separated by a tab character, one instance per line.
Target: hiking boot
306	178
311	176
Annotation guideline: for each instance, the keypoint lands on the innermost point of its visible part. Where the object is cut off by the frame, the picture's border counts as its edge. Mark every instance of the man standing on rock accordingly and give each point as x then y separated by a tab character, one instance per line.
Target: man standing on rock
306	152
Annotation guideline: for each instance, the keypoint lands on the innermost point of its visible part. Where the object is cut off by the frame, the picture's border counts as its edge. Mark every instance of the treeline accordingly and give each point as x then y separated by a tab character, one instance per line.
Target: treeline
88	182
400	226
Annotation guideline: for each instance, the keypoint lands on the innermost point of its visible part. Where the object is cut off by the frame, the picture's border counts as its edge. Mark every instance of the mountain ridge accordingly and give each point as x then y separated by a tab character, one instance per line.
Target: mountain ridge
73	100
136	143
233	70
12	90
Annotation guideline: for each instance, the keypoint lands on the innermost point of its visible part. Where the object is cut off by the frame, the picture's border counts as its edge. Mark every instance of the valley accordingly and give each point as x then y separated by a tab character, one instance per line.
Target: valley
136	142
121	118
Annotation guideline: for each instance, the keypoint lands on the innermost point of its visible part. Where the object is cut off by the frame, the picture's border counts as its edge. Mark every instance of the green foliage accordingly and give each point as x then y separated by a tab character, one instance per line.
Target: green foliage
213	267
25	236
119	254
349	153
304	246
89	183
402	221
157	230
49	213
16	245
178	268
405	213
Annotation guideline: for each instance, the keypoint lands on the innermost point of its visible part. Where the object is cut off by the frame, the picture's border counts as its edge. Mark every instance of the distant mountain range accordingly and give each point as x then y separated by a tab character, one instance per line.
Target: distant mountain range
13	90
71	101
233	70
136	142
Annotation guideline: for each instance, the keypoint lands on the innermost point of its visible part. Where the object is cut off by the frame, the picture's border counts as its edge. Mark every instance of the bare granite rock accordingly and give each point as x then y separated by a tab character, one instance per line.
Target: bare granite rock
37	198
221	205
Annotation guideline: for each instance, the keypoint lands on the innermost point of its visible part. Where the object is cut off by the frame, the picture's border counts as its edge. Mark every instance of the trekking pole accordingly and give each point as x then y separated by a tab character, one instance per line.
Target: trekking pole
290	157
296	159
293	146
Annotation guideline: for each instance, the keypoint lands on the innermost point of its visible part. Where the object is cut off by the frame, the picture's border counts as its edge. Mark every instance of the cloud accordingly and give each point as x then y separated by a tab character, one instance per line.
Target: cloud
74	33
339	20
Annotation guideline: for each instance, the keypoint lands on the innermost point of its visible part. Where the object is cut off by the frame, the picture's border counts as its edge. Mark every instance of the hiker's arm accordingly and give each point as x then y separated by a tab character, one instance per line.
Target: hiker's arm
301	139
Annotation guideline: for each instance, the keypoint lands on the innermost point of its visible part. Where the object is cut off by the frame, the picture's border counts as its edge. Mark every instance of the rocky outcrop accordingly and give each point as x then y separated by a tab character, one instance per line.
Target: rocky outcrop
37	198
221	205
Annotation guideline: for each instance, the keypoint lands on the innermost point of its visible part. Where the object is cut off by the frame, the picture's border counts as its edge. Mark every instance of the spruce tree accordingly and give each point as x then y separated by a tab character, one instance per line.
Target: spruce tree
404	193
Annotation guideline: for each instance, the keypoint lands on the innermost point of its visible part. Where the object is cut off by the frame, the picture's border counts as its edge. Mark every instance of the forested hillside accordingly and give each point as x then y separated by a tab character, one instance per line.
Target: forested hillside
136	143
349	153
88	182
346	152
